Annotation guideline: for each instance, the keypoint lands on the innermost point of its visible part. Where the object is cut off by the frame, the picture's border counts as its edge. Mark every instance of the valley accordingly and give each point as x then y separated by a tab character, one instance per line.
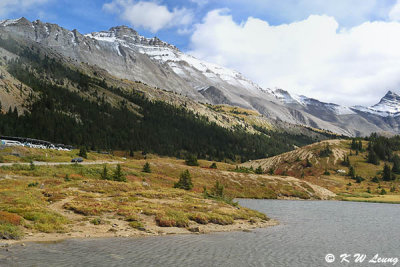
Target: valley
168	141
55	202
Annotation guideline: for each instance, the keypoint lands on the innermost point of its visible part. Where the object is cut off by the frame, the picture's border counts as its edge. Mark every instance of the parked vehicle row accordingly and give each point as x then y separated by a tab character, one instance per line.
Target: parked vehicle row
26	144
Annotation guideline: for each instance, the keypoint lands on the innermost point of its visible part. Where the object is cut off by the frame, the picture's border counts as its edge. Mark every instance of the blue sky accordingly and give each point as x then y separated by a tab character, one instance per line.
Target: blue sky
340	51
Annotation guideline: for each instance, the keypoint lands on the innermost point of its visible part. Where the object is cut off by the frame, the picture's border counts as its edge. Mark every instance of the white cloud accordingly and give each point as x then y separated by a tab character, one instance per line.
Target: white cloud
149	15
394	13
8	7
311	57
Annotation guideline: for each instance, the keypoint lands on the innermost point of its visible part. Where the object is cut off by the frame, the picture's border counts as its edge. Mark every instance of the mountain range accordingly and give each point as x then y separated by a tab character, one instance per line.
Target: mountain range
125	54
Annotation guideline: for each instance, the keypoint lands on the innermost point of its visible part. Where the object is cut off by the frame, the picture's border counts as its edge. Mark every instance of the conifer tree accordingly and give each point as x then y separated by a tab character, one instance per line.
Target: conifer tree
259	170
218	190
185	181
373	158
213	166
104	174
83	152
119	175
146	167
396	164
352	172
387	173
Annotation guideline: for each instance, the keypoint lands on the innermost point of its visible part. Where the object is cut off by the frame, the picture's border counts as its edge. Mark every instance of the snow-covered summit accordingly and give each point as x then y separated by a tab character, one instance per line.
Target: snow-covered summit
9	22
287	98
387	107
184	65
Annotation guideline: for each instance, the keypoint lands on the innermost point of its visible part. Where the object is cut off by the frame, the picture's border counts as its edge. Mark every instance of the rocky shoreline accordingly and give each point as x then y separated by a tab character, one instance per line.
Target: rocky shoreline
239	225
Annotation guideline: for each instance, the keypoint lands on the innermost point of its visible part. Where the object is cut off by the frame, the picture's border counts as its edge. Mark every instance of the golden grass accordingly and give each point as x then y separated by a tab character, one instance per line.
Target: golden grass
31	195
394	199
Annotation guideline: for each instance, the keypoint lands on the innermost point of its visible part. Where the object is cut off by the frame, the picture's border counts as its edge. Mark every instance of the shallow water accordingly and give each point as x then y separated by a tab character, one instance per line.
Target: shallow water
308	231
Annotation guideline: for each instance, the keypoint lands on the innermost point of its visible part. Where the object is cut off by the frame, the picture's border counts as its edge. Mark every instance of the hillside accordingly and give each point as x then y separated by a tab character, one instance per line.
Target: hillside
123	53
324	164
85	106
63	200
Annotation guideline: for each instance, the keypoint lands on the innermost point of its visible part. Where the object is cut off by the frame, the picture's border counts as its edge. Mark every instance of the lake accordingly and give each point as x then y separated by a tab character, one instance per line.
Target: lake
309	230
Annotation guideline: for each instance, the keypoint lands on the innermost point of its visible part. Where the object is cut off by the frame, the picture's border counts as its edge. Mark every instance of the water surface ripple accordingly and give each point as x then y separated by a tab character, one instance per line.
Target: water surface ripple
308	231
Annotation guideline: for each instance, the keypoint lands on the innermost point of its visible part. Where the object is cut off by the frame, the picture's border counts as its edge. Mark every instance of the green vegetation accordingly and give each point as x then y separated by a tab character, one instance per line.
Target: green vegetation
119	176
387	173
104	174
10	225
83	152
191	160
346	161
352	172
213	166
242	169
146	168
85	117
185	181
259	170
326	152
356	144
308	163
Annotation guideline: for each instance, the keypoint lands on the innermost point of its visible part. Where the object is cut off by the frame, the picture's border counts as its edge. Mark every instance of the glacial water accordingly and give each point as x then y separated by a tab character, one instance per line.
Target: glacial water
309	230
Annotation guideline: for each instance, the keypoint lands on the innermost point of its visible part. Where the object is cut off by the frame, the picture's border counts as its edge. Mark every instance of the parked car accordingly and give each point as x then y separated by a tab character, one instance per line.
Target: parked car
77	160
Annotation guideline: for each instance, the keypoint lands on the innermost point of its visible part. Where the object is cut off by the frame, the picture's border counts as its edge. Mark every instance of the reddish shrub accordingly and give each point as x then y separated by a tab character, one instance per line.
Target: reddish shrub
12	218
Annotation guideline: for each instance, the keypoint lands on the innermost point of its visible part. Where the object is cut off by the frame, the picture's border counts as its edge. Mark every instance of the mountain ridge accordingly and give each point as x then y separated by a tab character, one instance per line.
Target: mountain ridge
124	53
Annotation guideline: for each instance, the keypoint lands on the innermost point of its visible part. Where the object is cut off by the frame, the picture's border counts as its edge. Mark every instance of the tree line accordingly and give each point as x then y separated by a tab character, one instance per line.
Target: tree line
60	115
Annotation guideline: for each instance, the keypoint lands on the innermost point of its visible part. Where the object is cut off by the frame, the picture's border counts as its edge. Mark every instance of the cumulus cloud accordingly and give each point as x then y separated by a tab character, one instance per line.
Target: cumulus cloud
150	15
8	7
312	57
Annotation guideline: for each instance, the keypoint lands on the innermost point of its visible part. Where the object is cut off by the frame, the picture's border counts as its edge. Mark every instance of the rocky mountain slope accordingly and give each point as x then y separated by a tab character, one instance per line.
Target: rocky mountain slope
329	164
123	53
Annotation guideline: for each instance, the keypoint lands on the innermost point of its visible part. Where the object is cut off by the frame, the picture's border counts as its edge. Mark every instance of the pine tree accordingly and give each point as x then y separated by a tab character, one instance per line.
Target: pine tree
259	170
373	158
119	175
185	181
352	172
191	160
213	166
146	167
346	161
104	174
32	166
83	152
308	163
387	173
218	190
396	164
354	144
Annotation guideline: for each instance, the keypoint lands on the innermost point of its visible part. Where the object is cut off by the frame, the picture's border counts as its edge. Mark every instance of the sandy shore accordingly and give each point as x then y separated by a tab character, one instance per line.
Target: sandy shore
115	230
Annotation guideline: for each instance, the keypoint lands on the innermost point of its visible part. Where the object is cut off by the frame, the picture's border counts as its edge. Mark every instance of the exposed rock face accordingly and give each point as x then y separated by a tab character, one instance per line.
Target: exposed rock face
125	54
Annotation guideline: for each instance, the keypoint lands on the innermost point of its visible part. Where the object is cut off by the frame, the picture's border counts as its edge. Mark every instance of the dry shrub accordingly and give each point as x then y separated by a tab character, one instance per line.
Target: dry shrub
10	218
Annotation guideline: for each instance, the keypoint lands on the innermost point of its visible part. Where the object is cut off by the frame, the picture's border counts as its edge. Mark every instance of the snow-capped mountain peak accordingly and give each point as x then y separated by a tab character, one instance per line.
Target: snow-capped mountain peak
9	22
388	106
184	65
306	102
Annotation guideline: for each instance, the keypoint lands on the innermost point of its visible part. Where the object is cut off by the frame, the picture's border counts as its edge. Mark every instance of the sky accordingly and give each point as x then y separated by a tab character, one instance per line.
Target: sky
340	51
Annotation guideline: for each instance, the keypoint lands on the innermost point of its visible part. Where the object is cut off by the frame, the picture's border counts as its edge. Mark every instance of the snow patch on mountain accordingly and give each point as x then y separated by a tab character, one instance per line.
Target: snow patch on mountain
9	22
389	106
287	98
182	64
